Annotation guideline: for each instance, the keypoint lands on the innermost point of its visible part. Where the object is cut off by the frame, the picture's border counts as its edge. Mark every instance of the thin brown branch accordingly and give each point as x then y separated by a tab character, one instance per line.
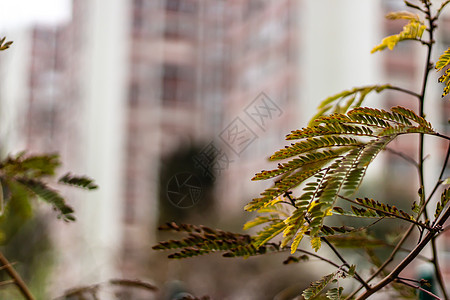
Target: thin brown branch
439	181
408	259
417	287
319	257
23	288
440	9
403	155
409	230
441	136
437	267
387	261
335	251
7	282
357	276
406	91
428	67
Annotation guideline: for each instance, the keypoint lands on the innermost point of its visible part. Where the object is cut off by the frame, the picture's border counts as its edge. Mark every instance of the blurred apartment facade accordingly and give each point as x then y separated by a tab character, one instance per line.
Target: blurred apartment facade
147	77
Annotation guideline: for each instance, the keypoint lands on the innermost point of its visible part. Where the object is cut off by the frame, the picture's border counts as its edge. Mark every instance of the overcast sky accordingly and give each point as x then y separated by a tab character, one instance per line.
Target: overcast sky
18	13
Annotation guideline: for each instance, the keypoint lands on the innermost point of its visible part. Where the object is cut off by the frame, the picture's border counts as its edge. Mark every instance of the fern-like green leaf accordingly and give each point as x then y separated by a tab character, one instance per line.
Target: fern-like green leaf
258	221
411	31
332	128
313	144
295	223
79	181
343	101
32	167
445	197
310	159
317	287
281	187
331	159
316	243
335	293
444	60
384	210
45	193
188	252
201	240
269	232
4	45
172	226
407	113
356	239
445	79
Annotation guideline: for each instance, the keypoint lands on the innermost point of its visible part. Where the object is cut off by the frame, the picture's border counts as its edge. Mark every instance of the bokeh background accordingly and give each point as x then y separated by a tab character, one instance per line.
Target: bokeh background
172	106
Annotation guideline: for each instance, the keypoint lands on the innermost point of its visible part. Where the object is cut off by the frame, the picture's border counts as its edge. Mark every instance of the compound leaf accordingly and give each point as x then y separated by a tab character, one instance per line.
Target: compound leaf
411	31
316	287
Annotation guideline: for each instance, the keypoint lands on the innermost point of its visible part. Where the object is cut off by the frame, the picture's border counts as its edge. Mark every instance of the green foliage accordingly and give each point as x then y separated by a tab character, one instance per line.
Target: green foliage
325	165
202	240
445	197
343	101
355	240
49	195
335	293
443	62
78	181
331	158
4	45
22	178
316	287
28	176
411	31
380	209
30	166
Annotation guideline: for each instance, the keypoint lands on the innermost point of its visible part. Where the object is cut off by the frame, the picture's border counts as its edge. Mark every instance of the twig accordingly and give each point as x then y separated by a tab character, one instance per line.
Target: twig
16	277
387	261
407	260
428	67
408	232
335	251
417	287
6	282
441	175
396	88
440	9
94	288
441	135
319	257
404	156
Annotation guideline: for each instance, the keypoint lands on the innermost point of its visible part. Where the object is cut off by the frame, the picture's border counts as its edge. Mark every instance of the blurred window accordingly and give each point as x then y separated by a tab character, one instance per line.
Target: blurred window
185	6
178	83
253	6
133	96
